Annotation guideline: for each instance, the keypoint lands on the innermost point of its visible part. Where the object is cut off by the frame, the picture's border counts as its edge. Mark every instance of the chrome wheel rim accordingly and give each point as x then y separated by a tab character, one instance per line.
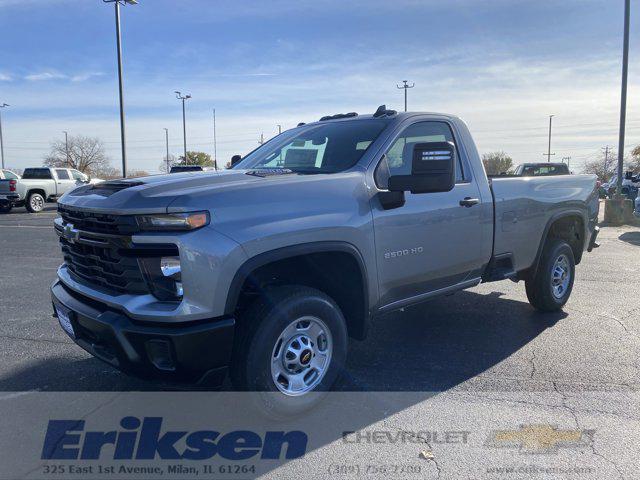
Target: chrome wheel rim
301	356
560	276
36	202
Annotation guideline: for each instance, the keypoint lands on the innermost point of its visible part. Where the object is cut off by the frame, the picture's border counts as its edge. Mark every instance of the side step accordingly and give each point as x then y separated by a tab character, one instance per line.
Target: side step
500	268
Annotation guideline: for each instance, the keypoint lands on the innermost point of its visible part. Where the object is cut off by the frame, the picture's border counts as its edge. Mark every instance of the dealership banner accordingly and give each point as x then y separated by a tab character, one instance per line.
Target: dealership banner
457	434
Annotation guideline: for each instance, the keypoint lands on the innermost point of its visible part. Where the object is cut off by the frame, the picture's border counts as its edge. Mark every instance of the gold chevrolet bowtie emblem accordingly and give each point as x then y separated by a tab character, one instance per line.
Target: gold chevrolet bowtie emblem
539	438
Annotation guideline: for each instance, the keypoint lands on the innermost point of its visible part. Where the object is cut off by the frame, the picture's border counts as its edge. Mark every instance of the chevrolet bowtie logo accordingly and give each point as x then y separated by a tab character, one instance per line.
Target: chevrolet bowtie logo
70	233
539	438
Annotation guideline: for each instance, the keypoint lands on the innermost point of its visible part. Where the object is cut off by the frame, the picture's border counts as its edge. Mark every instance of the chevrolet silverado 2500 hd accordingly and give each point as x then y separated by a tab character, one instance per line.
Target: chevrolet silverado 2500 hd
267	269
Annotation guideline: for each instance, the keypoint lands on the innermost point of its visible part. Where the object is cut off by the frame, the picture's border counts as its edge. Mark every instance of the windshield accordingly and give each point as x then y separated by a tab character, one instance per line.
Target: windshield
328	148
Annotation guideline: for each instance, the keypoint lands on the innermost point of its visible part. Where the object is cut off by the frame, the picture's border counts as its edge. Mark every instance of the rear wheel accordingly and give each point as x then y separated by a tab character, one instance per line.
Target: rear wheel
292	346
35	203
552	284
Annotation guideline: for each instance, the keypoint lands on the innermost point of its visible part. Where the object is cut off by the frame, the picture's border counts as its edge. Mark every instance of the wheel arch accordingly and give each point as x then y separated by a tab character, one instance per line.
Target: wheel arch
568	225
312	264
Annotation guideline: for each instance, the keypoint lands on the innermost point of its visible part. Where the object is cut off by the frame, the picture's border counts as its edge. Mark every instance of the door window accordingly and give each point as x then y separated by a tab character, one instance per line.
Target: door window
62	174
77	175
400	154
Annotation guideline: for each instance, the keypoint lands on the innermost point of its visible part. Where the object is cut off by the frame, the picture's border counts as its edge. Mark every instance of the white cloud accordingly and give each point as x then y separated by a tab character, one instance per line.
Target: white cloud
37	77
5	77
83	77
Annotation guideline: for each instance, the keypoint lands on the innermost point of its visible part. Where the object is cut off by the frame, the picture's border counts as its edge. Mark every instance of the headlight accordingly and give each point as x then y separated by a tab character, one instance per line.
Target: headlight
173	221
164	277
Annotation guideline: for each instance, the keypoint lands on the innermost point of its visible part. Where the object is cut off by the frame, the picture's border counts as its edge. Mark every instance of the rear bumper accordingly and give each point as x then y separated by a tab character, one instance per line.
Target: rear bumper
10	198
190	352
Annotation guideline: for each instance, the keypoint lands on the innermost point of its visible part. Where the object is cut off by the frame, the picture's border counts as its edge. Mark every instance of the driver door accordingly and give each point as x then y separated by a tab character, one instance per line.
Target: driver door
431	242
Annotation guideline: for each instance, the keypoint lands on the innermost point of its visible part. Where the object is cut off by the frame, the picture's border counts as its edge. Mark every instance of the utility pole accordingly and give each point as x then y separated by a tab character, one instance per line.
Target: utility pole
261	141
4	105
166	139
279	129
405	87
120	85
606	158
549	154
568	159
623	95
66	148
215	146
179	96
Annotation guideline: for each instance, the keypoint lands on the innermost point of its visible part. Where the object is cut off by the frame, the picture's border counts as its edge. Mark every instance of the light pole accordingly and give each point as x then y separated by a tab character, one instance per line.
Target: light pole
4	105
166	138
215	142
179	96
548	154
279	129
66	148
120	86
405	87
623	95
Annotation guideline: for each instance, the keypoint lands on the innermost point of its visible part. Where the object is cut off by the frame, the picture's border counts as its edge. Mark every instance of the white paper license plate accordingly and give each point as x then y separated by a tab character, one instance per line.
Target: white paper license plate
64	315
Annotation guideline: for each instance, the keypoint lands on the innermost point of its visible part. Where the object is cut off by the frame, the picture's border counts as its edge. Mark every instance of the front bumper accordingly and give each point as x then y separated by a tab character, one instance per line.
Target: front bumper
192	352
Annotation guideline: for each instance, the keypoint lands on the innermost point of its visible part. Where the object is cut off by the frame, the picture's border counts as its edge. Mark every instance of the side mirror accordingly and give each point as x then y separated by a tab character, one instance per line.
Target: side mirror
235	159
432	169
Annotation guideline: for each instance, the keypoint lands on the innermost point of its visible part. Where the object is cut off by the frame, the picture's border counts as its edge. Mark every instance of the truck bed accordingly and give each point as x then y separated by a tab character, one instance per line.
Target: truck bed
525	205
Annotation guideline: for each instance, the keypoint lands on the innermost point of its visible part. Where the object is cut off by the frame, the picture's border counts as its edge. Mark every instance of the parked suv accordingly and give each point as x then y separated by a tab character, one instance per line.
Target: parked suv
266	270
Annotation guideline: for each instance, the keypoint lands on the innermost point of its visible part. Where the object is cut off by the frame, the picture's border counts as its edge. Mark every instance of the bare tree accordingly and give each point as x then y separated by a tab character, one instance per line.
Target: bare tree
496	163
603	166
84	153
634	161
163	167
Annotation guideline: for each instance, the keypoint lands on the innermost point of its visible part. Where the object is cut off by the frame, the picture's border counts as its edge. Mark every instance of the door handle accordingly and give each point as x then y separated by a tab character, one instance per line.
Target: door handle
469	202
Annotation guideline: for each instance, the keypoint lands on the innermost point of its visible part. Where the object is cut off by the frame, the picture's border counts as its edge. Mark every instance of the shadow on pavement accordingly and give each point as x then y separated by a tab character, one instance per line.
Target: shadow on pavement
428	348
631	237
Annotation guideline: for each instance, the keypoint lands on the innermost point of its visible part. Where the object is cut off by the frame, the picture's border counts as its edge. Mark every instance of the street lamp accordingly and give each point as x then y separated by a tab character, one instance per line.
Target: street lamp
120	87
179	96
66	147
166	138
4	105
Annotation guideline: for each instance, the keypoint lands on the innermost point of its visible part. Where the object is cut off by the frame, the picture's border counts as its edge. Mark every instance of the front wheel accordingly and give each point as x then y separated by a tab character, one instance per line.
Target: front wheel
551	286
292	347
35	203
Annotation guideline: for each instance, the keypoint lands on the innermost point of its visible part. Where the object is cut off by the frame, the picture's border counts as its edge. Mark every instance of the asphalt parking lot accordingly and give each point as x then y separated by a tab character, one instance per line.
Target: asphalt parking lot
486	342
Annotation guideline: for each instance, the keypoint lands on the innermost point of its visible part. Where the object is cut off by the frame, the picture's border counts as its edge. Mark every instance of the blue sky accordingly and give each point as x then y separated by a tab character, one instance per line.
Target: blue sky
502	65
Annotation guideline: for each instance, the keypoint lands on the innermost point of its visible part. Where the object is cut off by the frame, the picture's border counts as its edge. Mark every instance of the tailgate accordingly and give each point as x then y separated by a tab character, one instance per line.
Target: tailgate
4	188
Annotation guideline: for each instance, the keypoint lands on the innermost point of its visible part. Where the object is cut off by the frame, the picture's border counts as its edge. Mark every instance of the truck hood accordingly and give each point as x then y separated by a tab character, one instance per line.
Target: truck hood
171	192
151	194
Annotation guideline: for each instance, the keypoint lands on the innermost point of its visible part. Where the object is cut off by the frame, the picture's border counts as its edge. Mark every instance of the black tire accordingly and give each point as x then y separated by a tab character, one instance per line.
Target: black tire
5	208
540	288
260	329
35	203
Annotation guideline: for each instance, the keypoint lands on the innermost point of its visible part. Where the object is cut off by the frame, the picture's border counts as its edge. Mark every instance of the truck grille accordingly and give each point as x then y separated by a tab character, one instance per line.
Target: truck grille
98	251
104	267
99	222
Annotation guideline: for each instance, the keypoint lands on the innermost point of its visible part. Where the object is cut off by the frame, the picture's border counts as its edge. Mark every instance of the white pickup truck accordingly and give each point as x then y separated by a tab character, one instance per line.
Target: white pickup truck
38	186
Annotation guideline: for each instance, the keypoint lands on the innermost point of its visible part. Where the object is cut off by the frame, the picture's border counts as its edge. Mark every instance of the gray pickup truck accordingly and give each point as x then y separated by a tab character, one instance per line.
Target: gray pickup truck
264	271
